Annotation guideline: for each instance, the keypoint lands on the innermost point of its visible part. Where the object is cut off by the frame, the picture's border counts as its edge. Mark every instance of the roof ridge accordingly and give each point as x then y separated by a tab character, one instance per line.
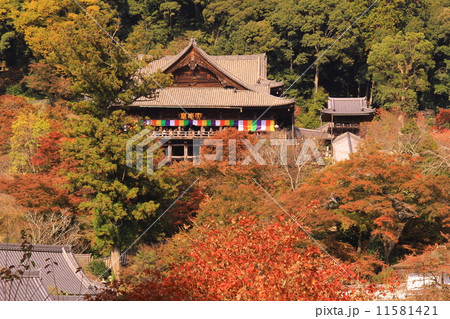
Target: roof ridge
75	267
225	89
29	274
193	44
346	98
47	248
346	135
237	57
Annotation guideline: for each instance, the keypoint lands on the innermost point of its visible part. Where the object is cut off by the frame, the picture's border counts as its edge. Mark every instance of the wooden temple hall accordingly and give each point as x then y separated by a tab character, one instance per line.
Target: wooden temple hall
210	93
345	114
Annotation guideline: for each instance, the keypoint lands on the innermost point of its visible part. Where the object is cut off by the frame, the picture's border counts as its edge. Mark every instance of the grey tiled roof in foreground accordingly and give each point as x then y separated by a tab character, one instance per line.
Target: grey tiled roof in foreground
27	287
59	271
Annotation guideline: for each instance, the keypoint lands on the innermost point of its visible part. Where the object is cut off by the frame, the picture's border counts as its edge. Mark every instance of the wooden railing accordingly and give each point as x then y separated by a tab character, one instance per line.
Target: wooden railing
183	134
345	125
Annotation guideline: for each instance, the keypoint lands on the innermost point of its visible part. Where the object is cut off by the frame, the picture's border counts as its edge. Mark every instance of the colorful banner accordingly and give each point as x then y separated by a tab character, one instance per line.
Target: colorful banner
241	125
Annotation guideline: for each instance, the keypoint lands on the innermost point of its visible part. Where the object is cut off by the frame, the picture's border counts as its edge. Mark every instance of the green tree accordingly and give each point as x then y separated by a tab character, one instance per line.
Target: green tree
149	34
240	27
324	22
67	39
310	110
439	29
7	30
255	37
388	17
122	200
14	52
399	66
170	9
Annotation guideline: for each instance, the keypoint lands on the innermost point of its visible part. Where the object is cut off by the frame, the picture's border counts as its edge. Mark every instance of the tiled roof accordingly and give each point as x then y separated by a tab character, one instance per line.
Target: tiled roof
350	137
29	287
59	270
319	133
248	70
348	106
155	65
211	97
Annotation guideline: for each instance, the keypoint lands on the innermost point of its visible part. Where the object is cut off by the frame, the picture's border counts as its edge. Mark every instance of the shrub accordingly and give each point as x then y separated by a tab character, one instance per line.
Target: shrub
98	269
15	89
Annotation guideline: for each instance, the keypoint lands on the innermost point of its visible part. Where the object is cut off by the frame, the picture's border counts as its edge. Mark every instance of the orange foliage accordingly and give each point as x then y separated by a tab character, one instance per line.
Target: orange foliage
442	137
48	155
40	192
376	192
9	107
435	259
246	259
443	119
44	79
186	208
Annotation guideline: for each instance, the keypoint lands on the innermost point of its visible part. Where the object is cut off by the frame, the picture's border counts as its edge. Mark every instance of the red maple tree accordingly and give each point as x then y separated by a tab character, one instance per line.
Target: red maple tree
40	192
443	119
48	154
246	258
9	107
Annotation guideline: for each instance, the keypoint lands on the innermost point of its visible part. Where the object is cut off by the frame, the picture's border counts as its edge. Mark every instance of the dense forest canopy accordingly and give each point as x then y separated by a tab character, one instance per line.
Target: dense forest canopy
395	52
66	64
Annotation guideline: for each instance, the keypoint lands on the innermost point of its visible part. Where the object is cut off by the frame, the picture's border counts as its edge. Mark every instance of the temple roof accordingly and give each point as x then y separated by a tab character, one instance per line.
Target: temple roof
246	73
344	145
318	133
59	270
28	286
249	70
192	97
348	106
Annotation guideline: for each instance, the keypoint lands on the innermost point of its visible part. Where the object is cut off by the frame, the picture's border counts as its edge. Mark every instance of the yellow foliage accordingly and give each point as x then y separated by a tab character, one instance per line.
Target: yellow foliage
10	219
94	8
37	18
28	128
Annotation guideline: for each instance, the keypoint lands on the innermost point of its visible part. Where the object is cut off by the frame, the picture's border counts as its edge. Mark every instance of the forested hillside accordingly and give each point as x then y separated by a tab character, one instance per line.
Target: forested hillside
217	231
395	52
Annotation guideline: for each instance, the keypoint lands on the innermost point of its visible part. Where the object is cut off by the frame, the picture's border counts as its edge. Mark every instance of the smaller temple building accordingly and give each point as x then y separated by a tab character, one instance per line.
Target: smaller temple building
428	270
344	145
345	114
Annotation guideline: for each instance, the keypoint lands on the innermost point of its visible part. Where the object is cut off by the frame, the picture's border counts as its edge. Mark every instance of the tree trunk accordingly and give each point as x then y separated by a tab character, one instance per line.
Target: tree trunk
116	265
389	245
371	94
198	14
316	78
388	248
358	250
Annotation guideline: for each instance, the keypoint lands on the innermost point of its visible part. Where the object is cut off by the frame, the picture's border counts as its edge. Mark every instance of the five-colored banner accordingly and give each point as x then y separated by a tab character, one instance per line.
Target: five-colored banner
241	125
